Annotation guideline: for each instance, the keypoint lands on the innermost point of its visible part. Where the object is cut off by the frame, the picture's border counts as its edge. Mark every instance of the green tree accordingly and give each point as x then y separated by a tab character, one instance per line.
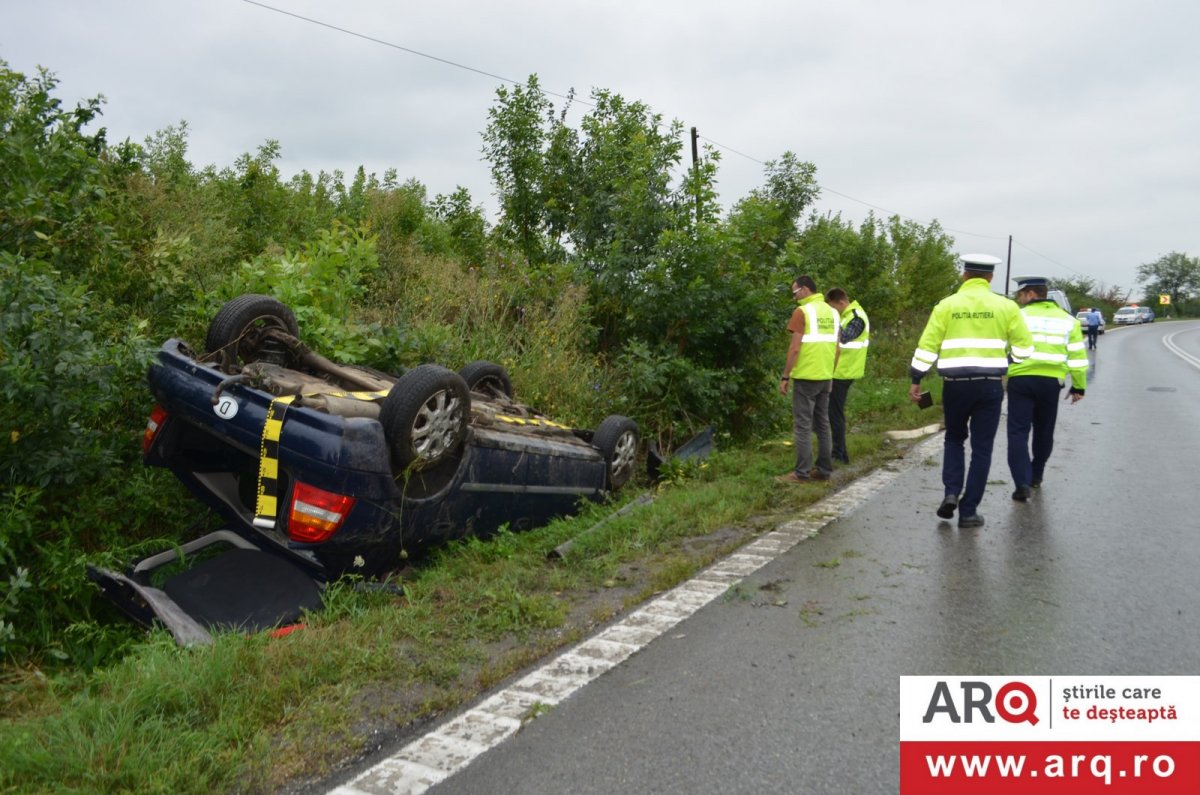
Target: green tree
862	261
926	268
52	180
762	224
465	225
516	141
625	198
1175	274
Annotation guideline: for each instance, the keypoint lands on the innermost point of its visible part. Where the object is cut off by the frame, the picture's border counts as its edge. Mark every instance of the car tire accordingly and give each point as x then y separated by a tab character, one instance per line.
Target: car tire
425	416
617	440
235	331
488	378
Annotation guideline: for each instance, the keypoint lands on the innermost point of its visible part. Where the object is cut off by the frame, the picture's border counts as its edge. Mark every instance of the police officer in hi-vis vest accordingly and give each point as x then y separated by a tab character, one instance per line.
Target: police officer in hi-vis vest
1034	384
853	341
970	337
811	359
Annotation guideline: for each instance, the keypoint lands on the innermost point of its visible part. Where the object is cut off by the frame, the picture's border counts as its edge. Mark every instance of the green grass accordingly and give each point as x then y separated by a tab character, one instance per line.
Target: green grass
254	714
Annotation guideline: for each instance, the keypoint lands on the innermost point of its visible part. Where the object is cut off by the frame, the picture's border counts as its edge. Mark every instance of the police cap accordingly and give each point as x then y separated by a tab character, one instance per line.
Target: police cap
1030	281
980	263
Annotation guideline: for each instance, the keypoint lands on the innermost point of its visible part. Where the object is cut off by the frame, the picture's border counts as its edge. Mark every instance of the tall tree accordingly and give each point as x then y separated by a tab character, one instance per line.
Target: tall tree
926	270
763	222
516	141
1175	274
52	177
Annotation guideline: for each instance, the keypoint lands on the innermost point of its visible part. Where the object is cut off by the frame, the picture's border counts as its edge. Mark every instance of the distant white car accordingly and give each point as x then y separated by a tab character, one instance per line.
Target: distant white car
1083	322
1133	315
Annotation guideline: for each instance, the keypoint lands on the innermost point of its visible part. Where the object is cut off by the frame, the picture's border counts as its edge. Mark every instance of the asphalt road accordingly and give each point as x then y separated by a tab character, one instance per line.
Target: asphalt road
789	682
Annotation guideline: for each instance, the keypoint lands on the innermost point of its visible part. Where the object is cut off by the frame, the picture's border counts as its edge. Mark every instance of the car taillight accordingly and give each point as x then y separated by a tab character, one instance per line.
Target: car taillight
316	514
157	417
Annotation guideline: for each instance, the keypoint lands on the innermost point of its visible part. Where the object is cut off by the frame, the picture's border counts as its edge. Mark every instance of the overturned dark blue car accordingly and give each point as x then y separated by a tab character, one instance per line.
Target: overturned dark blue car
319	469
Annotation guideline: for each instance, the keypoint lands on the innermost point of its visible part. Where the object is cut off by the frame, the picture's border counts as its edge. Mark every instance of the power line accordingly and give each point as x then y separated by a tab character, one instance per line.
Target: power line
1050	259
400	47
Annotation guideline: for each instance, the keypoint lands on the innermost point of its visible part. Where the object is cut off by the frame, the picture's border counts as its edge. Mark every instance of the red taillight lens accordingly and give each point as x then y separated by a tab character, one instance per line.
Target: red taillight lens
157	417
316	514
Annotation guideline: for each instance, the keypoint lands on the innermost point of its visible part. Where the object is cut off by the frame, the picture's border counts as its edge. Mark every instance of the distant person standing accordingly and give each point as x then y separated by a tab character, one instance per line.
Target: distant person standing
970	336
853	341
1093	327
811	359
1034	384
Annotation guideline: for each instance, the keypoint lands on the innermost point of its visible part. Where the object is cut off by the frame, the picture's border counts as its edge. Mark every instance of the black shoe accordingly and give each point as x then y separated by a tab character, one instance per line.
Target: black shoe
974	520
1037	483
949	503
1022	494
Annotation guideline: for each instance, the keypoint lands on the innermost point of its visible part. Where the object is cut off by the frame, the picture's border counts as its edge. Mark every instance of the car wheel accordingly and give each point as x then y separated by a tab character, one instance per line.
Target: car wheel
425	417
236	332
488	378
617	441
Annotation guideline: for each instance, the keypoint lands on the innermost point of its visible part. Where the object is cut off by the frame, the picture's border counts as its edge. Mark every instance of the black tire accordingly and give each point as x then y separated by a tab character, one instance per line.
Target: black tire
488	378
234	330
617	440
425	417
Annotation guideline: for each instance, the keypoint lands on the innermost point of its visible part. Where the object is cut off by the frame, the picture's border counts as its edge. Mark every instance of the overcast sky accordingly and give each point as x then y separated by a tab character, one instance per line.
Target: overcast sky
1072	125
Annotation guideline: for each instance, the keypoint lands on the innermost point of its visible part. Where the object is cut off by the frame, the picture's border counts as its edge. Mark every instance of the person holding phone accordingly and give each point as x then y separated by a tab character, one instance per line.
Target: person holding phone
970	336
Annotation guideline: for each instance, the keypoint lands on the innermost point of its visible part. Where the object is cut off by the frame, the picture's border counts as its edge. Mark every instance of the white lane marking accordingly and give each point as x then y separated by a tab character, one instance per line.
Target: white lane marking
1169	341
452	746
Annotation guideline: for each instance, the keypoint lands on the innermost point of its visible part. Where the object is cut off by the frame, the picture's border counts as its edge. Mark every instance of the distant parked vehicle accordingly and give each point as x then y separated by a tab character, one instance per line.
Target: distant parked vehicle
1083	320
1133	315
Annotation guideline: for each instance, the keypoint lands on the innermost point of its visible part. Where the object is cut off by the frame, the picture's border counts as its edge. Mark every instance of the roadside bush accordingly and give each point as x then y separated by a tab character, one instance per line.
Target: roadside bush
431	309
321	281
71	383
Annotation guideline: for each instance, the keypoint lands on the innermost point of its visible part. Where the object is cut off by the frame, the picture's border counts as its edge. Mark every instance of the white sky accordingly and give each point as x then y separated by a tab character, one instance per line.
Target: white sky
1073	125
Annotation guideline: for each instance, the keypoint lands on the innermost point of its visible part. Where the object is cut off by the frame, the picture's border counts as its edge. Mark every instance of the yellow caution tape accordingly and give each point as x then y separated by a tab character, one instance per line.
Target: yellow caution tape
267	503
531	421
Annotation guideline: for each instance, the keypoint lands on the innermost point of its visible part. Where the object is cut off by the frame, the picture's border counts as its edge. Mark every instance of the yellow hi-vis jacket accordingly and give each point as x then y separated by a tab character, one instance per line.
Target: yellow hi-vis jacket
852	361
818	345
1058	347
971	334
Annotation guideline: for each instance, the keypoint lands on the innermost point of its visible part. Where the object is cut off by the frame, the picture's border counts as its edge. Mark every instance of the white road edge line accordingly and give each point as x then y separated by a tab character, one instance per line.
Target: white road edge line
459	740
1169	341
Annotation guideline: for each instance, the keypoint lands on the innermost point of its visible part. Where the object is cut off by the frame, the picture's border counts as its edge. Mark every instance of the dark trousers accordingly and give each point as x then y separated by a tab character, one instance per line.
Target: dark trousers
1032	405
1093	333
837	418
810	413
972	410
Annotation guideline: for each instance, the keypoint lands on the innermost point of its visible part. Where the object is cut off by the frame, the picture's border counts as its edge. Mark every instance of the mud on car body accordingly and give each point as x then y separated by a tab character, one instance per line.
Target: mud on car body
327	468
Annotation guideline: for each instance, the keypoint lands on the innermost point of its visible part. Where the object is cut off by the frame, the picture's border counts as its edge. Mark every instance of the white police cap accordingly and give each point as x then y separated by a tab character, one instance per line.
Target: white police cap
1031	281
983	263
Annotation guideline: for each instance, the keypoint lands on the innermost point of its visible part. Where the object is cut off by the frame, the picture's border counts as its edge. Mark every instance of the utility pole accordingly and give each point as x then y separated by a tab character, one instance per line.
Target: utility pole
696	170
1008	267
